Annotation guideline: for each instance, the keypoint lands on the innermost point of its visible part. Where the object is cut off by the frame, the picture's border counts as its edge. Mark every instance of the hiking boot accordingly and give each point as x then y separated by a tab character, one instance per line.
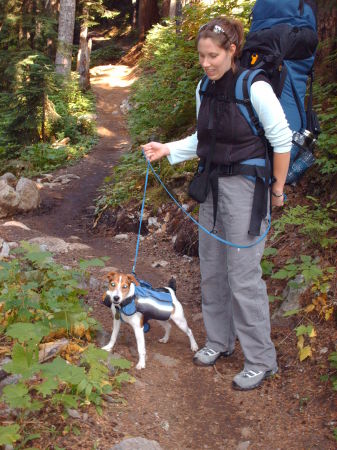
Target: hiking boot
251	379
207	357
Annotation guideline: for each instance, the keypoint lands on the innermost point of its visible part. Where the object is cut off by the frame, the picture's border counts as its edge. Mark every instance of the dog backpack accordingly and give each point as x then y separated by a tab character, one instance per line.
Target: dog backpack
282	42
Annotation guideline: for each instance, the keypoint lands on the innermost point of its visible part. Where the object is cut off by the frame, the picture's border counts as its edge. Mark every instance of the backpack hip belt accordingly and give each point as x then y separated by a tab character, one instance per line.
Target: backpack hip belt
261	176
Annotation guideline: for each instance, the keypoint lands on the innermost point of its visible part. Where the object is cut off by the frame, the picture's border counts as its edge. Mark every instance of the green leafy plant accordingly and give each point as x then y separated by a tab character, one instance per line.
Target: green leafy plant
307	267
267	266
314	222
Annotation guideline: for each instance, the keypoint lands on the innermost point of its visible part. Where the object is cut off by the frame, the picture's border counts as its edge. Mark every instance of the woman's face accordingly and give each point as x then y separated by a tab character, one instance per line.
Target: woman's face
215	60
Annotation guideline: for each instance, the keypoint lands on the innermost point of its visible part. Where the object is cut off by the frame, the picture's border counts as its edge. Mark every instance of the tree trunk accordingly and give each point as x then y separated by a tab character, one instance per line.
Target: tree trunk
148	15
83	56
165	8
327	32
173	8
65	36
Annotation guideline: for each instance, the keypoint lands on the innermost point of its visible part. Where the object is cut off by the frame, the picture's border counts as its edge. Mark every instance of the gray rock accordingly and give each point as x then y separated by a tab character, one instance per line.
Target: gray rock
78	246
153	222
102	337
5	249
14	223
9	199
3	373
161	263
53	244
121	237
74	413
137	443
11	379
9	178
94	283
28	193
291	296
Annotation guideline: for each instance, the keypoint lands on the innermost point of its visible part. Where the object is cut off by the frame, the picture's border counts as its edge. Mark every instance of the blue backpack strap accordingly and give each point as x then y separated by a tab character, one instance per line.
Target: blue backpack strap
203	86
242	96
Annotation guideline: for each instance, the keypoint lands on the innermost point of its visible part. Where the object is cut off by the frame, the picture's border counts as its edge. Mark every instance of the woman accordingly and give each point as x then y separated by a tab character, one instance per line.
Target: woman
234	297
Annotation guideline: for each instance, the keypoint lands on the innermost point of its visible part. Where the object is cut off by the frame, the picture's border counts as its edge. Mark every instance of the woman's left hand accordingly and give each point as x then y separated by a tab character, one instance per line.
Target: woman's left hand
278	200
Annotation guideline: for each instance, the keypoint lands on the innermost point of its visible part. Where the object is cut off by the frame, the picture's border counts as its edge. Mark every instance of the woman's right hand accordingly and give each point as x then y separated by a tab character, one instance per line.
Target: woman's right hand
155	150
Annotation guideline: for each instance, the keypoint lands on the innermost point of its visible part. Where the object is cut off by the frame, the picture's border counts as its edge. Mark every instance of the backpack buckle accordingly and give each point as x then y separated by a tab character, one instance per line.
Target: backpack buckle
226	170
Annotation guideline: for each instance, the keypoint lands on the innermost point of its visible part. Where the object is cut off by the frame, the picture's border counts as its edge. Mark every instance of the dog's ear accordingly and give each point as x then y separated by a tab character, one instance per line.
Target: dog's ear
132	279
109	276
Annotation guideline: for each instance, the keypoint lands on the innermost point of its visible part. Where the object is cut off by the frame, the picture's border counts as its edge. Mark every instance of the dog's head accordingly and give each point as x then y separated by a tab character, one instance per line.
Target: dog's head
120	287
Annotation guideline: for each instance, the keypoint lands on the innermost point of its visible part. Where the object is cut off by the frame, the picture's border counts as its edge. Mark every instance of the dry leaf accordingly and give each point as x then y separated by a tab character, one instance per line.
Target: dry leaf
309	308
305	352
51	349
328	313
312	333
300	342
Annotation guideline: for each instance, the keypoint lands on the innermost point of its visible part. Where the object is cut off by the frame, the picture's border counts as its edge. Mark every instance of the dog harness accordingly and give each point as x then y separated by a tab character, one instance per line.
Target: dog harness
152	303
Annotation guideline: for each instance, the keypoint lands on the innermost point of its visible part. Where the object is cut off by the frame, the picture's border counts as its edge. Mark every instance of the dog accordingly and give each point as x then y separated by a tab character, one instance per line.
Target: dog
121	293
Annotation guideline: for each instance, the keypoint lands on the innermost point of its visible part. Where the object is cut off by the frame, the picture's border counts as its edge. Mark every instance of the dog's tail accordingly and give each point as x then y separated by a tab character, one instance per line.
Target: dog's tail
173	284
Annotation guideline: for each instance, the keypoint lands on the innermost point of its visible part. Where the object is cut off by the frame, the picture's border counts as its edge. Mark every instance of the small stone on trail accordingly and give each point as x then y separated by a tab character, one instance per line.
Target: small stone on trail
121	237
165	361
14	223
243	445
137	443
197	317
159	264
74	413
246	432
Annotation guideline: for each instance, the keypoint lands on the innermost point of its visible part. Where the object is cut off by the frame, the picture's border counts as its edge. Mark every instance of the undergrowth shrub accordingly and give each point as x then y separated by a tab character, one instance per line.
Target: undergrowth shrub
315	222
41	301
73	117
108	53
325	97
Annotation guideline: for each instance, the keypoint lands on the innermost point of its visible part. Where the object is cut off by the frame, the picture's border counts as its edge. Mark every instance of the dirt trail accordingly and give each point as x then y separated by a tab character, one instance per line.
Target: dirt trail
172	401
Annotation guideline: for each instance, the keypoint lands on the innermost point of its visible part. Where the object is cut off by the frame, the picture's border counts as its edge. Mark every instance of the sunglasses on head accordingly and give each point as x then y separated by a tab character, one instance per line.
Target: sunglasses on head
216	29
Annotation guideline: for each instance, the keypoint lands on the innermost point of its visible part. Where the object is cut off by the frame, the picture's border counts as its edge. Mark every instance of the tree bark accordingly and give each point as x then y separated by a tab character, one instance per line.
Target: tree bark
83	56
327	32
65	36
148	15
165	8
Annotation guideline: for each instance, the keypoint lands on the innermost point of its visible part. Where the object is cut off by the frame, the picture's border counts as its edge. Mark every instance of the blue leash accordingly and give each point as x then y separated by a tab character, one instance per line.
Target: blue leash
230	244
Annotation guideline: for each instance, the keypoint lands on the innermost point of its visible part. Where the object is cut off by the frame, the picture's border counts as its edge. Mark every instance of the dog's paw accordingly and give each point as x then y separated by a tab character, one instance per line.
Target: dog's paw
163	340
140	365
107	347
194	347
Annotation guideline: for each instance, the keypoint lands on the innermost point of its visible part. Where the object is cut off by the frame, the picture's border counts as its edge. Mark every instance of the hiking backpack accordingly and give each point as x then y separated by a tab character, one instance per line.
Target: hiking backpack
282	42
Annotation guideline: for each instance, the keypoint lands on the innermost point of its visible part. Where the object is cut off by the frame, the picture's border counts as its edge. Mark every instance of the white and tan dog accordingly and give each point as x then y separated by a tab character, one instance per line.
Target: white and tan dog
121	291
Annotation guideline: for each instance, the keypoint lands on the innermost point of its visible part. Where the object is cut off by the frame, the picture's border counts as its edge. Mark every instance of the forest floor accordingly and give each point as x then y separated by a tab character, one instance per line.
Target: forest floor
172	401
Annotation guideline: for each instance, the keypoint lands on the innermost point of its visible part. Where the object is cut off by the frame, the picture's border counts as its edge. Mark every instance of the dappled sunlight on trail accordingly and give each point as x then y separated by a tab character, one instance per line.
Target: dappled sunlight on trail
116	76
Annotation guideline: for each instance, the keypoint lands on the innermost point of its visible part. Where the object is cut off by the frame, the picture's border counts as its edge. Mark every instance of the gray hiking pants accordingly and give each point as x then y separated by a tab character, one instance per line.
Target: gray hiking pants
234	297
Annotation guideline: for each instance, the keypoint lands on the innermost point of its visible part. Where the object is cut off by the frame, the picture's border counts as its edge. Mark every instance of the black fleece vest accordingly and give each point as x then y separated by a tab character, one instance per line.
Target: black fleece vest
235	140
